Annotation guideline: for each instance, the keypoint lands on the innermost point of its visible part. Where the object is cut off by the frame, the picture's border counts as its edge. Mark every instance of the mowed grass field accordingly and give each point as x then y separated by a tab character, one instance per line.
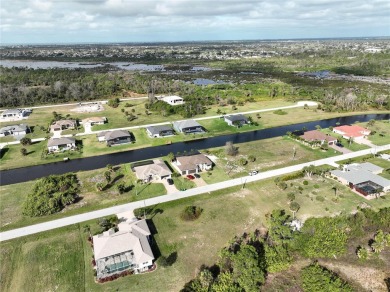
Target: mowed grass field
52	261
226	213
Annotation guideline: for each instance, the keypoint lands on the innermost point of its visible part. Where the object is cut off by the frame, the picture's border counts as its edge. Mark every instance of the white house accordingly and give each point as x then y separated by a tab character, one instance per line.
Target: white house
14	130
127	249
61	144
15	113
173	100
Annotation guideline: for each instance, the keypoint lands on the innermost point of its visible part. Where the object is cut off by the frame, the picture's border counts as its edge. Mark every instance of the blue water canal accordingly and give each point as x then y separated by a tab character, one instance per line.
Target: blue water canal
18	175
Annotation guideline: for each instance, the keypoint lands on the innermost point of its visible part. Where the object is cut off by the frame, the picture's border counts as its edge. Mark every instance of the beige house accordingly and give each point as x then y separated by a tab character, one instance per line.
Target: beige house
61	144
63	125
192	164
127	249
156	171
94	121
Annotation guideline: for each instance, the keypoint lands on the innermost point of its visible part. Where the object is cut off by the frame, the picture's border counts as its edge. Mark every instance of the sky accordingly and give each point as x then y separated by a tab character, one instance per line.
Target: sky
99	21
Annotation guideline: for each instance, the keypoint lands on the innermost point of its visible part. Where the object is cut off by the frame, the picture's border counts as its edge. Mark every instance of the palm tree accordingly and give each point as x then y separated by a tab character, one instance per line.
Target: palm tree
294	207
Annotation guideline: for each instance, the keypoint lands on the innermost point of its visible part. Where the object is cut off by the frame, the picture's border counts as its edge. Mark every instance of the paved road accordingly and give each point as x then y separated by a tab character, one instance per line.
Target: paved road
175	196
84	102
299	104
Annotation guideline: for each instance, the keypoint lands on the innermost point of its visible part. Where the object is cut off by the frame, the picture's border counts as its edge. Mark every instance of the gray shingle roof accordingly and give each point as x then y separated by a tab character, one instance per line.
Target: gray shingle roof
60	141
186	124
238	117
15	128
154	130
359	176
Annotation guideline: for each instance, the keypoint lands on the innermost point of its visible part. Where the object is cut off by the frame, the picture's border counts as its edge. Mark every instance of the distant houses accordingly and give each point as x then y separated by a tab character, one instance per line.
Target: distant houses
192	164
15	113
61	144
160	131
116	137
94	121
188	127
63	125
157	170
238	120
172	100
363	178
318	137
128	249
14	130
352	132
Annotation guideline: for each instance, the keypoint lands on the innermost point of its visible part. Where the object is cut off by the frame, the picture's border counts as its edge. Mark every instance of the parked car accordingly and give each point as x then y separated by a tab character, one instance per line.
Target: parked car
197	175
190	177
253	172
170	181
339	144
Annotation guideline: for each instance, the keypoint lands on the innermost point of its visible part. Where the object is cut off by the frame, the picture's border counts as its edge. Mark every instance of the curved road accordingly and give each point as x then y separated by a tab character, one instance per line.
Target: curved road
15	233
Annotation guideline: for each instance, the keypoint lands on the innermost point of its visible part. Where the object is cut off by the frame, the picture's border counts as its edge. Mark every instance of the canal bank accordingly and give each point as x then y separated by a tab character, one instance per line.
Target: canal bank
18	175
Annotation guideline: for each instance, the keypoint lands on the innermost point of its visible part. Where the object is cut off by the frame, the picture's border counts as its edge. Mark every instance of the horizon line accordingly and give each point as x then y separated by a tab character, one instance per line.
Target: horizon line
191	41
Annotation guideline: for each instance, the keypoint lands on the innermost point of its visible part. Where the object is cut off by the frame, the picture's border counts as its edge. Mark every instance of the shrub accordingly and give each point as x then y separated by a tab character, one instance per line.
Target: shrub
316	186
243	161
292	176
25	141
251	158
320	198
191	213
305	182
280	112
113	102
51	194
282	185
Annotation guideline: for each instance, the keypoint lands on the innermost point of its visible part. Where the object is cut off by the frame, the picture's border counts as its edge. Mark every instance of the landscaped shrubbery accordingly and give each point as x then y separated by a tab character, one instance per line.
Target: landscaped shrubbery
51	194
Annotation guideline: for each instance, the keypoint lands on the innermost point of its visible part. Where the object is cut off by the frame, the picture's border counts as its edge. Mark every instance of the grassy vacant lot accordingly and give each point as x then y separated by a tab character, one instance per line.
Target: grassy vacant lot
13	196
382	132
226	213
52	261
270	154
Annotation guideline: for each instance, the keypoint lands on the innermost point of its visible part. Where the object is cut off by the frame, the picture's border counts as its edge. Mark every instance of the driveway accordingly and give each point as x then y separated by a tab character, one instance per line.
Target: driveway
365	142
340	149
170	188
199	182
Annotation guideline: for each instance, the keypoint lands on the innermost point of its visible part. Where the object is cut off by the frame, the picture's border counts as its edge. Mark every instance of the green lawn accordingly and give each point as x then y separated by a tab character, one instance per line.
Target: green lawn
351	145
226	213
13	196
270	154
182	183
380	132
51	261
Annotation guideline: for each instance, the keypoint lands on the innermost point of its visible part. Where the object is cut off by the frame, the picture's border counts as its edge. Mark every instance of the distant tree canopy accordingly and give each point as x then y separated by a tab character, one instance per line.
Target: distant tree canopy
51	194
316	278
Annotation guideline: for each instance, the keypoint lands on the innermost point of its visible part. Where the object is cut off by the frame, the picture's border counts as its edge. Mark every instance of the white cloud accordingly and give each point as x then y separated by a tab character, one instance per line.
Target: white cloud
185	19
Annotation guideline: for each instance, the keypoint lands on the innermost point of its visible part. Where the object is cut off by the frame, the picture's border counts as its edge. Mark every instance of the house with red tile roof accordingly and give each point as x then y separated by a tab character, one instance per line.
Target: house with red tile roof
318	137
354	132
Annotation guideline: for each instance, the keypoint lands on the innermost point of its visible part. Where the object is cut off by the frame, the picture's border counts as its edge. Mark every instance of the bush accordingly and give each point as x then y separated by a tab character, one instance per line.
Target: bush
305	182
292	176
191	213
317	278
280	112
320	198
282	185
25	141
316	186
113	102
51	194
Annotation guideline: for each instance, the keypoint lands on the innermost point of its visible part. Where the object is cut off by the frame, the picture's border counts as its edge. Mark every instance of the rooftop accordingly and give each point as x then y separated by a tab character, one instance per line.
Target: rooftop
352	131
317	136
191	162
60	141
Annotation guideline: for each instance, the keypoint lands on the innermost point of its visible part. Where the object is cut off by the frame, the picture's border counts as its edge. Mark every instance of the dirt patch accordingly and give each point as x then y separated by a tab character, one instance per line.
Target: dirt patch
88	108
368	278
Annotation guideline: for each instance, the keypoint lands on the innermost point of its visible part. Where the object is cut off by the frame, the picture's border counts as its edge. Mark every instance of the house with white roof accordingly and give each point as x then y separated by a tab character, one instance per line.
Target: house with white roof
157	170
14	130
363	178
127	249
172	100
